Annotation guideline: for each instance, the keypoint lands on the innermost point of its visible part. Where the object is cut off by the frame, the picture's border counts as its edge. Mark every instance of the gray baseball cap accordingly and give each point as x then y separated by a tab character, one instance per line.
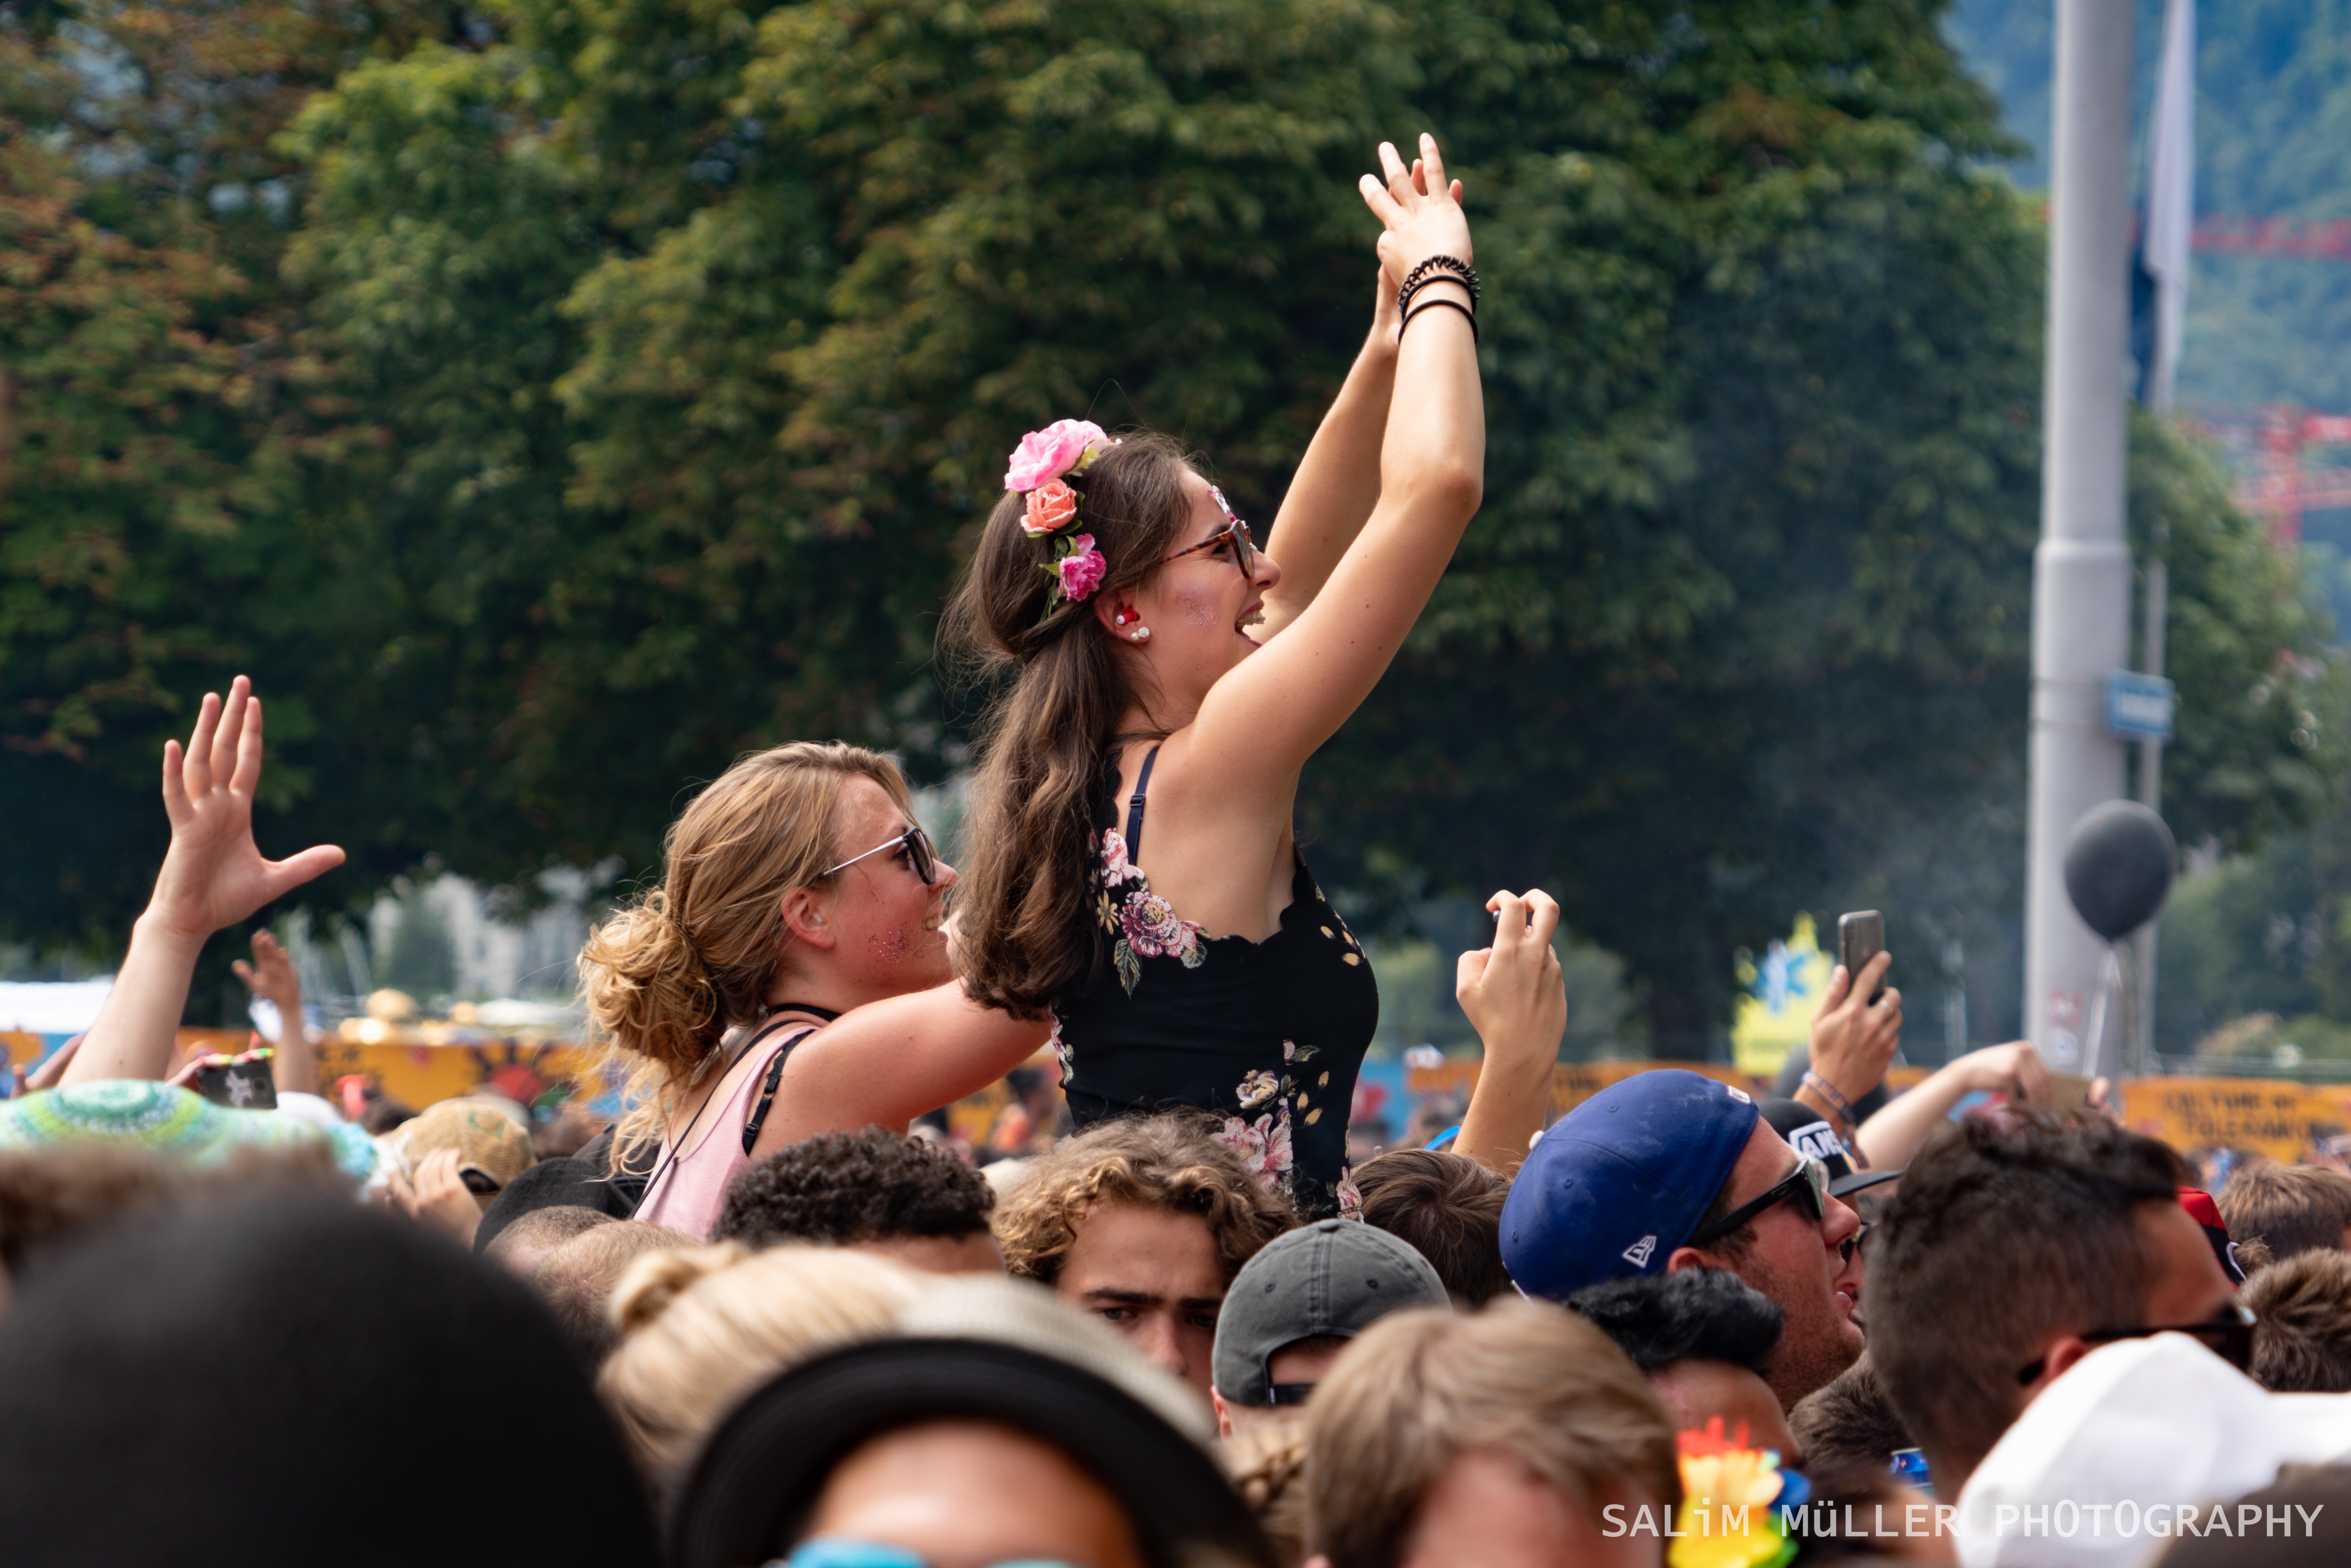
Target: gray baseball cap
1335	1276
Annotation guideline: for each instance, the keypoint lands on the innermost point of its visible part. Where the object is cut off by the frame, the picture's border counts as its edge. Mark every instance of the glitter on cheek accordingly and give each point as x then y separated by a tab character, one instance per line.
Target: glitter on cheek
891	944
1200	610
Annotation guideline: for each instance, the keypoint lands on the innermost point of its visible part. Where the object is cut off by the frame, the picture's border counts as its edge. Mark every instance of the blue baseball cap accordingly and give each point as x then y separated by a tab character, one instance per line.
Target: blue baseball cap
1622	1180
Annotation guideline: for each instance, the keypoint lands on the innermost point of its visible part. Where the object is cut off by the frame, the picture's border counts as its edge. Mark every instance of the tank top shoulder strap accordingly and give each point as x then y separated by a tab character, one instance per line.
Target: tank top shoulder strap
1134	804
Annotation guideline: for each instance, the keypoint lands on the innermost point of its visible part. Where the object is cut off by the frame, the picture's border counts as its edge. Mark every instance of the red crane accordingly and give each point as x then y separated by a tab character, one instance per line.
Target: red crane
2229	234
2282	489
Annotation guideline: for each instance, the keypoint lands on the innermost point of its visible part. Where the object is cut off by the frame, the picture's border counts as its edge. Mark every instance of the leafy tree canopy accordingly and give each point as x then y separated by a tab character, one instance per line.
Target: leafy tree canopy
622	384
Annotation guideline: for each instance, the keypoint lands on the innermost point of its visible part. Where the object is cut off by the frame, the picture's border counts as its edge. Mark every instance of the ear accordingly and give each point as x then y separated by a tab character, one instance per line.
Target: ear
1224	1417
804	917
1682	1258
1108	607
2057	1359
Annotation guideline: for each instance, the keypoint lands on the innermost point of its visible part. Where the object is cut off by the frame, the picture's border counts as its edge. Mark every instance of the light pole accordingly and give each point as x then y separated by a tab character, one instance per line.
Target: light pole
2082	568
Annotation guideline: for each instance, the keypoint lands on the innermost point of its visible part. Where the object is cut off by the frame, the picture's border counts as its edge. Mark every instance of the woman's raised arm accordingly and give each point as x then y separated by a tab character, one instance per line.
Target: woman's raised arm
1262	720
1338	481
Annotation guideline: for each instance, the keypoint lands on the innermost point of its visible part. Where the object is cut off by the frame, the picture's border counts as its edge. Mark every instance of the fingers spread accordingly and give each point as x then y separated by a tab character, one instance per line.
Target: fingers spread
231	731
1433	161
248	776
176	789
198	772
294	870
1375	196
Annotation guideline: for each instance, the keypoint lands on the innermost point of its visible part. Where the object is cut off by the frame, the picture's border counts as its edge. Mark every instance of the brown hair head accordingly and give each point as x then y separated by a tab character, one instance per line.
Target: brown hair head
1158	1162
1420	1388
665	978
1026	931
2049	1202
1450	1208
2301	1342
2290	1209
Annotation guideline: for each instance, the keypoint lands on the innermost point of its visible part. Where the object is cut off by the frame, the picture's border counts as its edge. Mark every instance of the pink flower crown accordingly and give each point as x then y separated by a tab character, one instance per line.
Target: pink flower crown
1042	466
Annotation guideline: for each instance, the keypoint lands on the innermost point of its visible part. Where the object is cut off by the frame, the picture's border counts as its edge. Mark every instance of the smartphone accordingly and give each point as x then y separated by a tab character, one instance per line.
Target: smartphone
1861	936
241	1084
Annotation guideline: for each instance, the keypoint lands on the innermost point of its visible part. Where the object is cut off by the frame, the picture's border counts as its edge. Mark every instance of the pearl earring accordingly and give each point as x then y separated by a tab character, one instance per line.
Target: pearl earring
1140	635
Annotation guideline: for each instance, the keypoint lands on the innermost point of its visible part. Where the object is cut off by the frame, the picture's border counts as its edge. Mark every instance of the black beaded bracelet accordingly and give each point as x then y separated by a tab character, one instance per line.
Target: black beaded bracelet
1466	314
1421	275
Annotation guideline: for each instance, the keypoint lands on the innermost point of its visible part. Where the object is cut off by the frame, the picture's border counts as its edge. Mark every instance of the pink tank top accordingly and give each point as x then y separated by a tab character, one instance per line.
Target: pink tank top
688	1191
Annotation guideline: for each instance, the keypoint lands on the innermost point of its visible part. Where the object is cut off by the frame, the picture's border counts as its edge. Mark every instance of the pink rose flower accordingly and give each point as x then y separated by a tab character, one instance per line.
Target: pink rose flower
1053	506
1082	569
1049	453
1152	925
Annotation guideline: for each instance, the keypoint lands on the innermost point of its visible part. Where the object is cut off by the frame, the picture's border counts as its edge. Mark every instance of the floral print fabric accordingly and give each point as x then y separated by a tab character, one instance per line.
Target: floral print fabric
1144	924
1266	1037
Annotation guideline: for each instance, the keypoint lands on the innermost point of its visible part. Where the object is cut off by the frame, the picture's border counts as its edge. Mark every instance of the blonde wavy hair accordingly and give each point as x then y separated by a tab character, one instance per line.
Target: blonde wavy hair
665	978
701	1329
1165	1161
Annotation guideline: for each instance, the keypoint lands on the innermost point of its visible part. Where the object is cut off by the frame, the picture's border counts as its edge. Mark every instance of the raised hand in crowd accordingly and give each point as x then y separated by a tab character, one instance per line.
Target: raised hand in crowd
1854	1041
295	1067
437	1196
214	876
2015	1071
1516	999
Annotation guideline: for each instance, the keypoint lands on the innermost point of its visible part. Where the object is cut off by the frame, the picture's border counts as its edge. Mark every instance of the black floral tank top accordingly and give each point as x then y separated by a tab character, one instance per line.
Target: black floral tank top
1266	1035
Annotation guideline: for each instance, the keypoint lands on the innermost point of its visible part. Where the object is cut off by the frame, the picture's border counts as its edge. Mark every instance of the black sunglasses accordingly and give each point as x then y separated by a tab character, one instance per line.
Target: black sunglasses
2230	1337
919	853
1235	532
1809	1181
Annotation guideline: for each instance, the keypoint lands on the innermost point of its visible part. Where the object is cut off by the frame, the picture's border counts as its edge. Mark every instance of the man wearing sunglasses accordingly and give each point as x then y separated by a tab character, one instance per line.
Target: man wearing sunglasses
1670	1170
2019	1245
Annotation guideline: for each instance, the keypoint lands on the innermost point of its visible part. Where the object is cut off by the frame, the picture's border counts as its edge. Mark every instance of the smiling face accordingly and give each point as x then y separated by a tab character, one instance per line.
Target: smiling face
1200	608
1797	1261
883	924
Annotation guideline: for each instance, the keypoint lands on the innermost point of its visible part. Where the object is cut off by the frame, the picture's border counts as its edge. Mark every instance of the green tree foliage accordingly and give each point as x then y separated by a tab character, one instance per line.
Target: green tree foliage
642	371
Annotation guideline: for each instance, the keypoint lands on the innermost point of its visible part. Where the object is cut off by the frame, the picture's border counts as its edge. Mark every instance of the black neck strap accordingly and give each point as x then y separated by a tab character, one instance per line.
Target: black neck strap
827	1014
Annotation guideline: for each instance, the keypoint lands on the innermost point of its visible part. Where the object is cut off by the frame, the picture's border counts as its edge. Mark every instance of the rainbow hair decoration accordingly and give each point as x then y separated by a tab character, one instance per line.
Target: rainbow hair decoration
1041	467
1731	1497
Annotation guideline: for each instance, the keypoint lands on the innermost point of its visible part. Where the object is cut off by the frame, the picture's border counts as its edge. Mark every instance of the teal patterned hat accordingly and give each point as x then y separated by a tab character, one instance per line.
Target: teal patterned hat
178	1123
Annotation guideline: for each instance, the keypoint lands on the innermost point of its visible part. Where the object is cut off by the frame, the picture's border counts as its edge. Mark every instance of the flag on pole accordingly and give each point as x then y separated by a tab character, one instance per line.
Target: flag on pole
2159	284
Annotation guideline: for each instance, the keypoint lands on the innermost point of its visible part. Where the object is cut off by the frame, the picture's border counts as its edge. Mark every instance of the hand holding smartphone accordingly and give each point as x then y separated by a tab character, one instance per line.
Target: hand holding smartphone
1861	936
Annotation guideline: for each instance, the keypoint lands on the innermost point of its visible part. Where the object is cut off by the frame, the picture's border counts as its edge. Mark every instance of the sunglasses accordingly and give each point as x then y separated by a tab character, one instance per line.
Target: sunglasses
1809	1181
1235	532
840	1552
2230	1337
920	854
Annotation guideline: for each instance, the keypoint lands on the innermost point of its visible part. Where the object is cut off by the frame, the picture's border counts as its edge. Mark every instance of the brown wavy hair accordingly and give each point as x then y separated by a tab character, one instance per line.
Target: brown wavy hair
1028	930
665	978
1166	1162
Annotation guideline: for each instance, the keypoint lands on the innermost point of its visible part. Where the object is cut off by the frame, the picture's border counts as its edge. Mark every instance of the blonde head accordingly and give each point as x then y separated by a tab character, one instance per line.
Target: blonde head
665	978
701	1329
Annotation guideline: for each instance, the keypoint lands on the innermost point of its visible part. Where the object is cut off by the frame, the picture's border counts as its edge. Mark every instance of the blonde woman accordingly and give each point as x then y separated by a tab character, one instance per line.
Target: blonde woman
701	1329
790	976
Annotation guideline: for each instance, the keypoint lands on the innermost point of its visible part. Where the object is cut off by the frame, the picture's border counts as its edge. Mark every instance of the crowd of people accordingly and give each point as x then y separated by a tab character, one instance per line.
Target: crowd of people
761	1318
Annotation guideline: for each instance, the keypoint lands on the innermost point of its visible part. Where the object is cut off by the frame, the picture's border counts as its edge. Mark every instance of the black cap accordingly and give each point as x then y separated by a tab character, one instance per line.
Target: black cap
1809	1133
976	1350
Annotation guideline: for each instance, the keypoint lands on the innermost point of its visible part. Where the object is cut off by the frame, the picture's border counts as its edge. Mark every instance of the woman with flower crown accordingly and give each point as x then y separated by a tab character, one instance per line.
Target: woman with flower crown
1130	867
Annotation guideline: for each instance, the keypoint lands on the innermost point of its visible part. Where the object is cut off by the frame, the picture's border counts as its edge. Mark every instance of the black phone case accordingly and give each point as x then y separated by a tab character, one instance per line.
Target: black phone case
239	1085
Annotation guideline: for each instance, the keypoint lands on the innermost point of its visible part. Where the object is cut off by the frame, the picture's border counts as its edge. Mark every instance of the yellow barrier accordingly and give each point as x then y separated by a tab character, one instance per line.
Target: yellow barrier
2286	1120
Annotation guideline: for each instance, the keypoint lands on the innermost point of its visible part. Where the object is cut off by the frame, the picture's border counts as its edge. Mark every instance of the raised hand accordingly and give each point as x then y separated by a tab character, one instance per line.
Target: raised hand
214	875
1516	997
1420	207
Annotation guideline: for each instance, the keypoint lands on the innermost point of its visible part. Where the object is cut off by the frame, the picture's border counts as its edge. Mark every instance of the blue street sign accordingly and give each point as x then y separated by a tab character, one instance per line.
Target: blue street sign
2139	707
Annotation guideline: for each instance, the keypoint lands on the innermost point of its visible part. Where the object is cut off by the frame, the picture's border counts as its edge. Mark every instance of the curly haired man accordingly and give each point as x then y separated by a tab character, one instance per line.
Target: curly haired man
1144	1223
